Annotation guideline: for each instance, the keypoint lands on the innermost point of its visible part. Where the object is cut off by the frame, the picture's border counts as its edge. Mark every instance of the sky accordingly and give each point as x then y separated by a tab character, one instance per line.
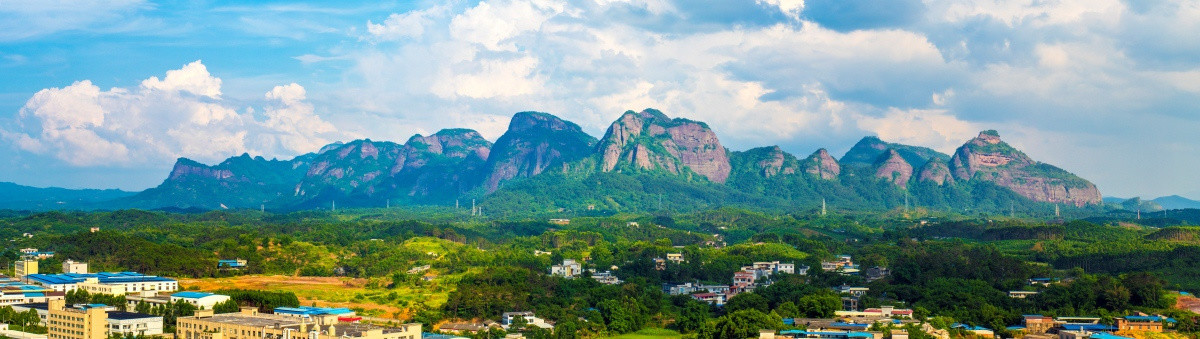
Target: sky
109	93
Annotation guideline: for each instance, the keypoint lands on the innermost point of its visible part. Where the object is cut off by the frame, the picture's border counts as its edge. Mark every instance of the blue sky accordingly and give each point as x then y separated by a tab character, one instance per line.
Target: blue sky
107	94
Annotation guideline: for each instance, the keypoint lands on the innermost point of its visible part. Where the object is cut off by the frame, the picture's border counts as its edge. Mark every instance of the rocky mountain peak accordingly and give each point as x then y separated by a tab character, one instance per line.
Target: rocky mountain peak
869	148
823	165
650	140
534	143
892	167
989	158
936	172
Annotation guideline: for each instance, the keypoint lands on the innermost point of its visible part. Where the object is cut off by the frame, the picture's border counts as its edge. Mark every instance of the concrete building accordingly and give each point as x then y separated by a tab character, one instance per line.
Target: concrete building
131	282
606	277
25	267
84	322
137	324
202	300
14	292
1139	323
231	264
93	286
249	324
321	315
569	269
77	267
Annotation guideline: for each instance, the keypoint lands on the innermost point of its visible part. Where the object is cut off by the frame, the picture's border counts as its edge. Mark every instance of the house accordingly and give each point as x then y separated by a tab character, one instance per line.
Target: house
844	264
606	278
876	273
853	291
680	289
231	264
660	264
468	327
77	267
881	312
418	269
568	269
507	318
202	300
560	221
675	257
1037	323
1021	294
1142	323
711	298
743	279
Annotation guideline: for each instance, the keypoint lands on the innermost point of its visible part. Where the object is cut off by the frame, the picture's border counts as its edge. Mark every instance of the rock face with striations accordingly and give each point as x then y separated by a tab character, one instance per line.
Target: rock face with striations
990	159
891	167
767	161
534	143
822	165
936	172
868	149
650	140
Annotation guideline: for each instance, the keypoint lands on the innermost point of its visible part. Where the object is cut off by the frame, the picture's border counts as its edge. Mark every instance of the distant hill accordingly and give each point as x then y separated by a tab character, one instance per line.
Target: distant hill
19	197
1175	202
646	161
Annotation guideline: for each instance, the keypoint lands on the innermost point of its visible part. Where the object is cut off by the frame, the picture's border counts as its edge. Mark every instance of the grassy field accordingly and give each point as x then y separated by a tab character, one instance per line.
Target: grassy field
650	333
352	293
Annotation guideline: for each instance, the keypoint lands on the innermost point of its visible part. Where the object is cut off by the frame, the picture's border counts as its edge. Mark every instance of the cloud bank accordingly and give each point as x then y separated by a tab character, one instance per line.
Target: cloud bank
181	115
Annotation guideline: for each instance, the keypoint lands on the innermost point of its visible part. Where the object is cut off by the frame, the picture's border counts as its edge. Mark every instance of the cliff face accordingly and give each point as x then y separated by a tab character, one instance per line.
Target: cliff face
892	167
990	159
240	181
868	149
766	162
822	165
354	167
936	172
651	140
534	143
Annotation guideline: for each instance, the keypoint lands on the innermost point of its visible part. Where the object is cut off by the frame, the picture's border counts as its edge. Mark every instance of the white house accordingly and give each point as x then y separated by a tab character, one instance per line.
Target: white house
569	268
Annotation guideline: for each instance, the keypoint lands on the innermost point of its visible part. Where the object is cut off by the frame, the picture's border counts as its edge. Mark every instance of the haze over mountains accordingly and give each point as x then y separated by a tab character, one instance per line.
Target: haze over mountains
645	161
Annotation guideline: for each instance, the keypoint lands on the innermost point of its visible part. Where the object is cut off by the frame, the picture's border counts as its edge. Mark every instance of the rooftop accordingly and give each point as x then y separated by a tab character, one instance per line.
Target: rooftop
104	277
309	311
259	320
192	295
120	315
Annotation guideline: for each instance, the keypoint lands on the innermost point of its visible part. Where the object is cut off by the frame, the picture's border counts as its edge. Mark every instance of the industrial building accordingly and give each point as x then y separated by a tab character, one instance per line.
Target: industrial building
249	324
105	282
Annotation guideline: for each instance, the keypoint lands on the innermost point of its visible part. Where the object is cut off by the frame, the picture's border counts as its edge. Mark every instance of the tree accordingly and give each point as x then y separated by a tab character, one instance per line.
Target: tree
820	305
788	309
228	306
747	301
77	296
693	317
741	324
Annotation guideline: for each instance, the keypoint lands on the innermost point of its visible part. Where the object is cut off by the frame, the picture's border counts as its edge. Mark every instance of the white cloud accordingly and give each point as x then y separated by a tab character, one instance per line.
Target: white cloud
492	23
404	25
790	7
933	128
181	115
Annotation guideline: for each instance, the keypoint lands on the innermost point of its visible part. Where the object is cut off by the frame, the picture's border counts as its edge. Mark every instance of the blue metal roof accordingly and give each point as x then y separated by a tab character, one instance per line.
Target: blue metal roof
1089	327
1143	318
103	277
306	310
34	294
191	295
1107	336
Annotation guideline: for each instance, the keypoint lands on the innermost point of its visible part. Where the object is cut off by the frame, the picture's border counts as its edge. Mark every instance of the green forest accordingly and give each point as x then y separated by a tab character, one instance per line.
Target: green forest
948	267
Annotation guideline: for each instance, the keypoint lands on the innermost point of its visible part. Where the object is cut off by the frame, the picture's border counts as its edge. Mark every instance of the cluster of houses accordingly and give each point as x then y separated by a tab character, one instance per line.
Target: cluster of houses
747	279
571	269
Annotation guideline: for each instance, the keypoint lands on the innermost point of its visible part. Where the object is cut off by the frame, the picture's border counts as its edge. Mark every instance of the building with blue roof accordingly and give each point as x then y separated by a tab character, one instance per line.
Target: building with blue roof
307	312
128	282
202	300
1107	336
236	264
827	334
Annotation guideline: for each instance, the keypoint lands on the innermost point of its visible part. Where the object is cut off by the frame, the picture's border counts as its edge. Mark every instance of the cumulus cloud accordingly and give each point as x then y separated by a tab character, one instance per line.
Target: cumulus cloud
180	115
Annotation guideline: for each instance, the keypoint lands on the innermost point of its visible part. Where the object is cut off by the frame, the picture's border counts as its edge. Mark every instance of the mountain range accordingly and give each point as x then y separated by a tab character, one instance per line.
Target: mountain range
644	161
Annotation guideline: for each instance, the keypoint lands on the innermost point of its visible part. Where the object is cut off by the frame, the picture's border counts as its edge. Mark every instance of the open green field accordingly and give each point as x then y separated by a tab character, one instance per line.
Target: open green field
352	293
650	333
